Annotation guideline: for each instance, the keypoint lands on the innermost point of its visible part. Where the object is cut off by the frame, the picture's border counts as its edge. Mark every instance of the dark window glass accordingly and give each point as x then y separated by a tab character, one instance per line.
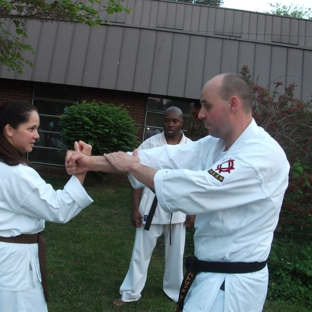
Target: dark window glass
161	104
57	92
47	156
51	100
153	119
49	123
50	139
48	107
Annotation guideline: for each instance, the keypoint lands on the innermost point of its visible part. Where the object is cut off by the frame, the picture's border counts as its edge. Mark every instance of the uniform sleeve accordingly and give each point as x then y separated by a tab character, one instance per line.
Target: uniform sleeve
171	157
43	202
207	190
143	146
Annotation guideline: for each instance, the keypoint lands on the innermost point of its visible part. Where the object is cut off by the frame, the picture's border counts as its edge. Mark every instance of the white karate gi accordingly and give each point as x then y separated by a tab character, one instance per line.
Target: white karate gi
237	197
26	201
145	241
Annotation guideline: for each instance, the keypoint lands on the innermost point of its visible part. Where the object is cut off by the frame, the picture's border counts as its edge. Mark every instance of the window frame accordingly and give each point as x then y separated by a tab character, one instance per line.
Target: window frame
55	134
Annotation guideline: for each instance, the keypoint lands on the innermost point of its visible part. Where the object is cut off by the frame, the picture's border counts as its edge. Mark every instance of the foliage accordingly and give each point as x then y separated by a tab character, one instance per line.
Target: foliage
289	121
107	127
291	272
291	11
195	126
206	2
19	11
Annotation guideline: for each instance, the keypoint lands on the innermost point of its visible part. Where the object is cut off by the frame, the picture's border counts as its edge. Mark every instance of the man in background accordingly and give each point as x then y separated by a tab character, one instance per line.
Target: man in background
150	225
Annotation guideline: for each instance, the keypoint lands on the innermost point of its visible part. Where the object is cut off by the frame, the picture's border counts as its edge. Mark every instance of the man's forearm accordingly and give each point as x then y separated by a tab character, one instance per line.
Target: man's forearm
136	196
144	174
100	163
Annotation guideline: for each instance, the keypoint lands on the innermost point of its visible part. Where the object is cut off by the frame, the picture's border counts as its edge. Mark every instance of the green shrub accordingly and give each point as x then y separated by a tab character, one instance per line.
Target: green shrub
107	127
195	126
288	120
290	269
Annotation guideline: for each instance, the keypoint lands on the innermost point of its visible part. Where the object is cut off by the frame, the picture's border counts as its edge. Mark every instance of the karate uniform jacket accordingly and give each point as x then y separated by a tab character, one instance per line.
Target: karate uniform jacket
237	196
147	197
26	201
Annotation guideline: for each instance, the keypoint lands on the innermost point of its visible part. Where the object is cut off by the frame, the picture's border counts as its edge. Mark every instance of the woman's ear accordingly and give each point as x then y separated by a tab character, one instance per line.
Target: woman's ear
8	130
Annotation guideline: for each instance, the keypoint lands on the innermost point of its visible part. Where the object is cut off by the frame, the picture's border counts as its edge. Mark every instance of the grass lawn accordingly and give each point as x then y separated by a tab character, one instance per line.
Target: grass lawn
89	256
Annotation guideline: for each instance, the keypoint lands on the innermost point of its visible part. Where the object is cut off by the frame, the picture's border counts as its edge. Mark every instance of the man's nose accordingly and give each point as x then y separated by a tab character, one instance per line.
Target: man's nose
201	114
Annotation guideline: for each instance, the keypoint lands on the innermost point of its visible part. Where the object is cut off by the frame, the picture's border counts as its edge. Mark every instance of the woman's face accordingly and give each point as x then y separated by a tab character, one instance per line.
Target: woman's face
24	137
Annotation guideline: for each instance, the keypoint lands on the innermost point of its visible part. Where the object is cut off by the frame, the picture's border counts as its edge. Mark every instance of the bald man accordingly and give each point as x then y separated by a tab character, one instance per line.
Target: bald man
233	180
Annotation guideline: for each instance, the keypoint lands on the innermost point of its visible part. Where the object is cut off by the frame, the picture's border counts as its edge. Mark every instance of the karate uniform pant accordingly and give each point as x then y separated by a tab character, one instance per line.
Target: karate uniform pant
30	300
144	244
217	306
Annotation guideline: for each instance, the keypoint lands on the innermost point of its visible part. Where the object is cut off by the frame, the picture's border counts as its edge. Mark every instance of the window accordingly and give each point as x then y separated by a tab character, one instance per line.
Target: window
155	110
50	100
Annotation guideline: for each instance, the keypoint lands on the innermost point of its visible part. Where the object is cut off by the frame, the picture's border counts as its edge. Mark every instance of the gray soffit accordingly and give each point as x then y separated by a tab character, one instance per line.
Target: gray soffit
171	49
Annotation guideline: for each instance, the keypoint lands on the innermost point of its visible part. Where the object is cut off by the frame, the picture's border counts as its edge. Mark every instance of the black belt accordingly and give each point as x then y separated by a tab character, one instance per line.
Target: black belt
193	266
151	214
33	239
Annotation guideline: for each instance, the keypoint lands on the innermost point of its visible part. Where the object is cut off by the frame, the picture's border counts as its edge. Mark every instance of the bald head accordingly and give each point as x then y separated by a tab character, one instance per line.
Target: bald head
233	85
174	109
226	110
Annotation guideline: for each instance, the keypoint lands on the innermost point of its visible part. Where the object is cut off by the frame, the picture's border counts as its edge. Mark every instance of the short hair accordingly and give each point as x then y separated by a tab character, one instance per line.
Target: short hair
174	109
233	84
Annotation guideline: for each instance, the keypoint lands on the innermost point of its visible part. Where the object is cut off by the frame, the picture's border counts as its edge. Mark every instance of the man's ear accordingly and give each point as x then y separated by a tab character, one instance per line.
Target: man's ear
234	103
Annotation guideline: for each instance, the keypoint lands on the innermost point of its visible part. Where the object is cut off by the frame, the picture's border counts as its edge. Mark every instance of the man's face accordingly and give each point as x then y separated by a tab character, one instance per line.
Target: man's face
172	124
214	110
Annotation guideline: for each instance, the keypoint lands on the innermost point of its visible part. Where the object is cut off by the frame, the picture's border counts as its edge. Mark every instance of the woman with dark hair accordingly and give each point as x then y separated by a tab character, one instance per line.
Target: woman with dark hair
26	202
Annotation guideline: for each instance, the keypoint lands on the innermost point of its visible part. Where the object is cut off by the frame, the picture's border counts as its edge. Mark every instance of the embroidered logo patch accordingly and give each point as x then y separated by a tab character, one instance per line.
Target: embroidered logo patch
216	175
226	166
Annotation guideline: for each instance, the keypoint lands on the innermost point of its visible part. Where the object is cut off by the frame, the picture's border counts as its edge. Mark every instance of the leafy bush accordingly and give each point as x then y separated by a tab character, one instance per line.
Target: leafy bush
290	269
195	126
108	128
289	120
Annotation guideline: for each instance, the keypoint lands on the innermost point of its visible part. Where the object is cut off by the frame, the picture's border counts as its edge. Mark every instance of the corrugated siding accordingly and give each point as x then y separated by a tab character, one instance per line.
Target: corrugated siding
170	49
214	20
145	60
307	75
94	57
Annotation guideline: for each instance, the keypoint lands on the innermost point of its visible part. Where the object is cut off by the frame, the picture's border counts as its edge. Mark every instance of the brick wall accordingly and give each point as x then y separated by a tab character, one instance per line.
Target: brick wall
15	90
